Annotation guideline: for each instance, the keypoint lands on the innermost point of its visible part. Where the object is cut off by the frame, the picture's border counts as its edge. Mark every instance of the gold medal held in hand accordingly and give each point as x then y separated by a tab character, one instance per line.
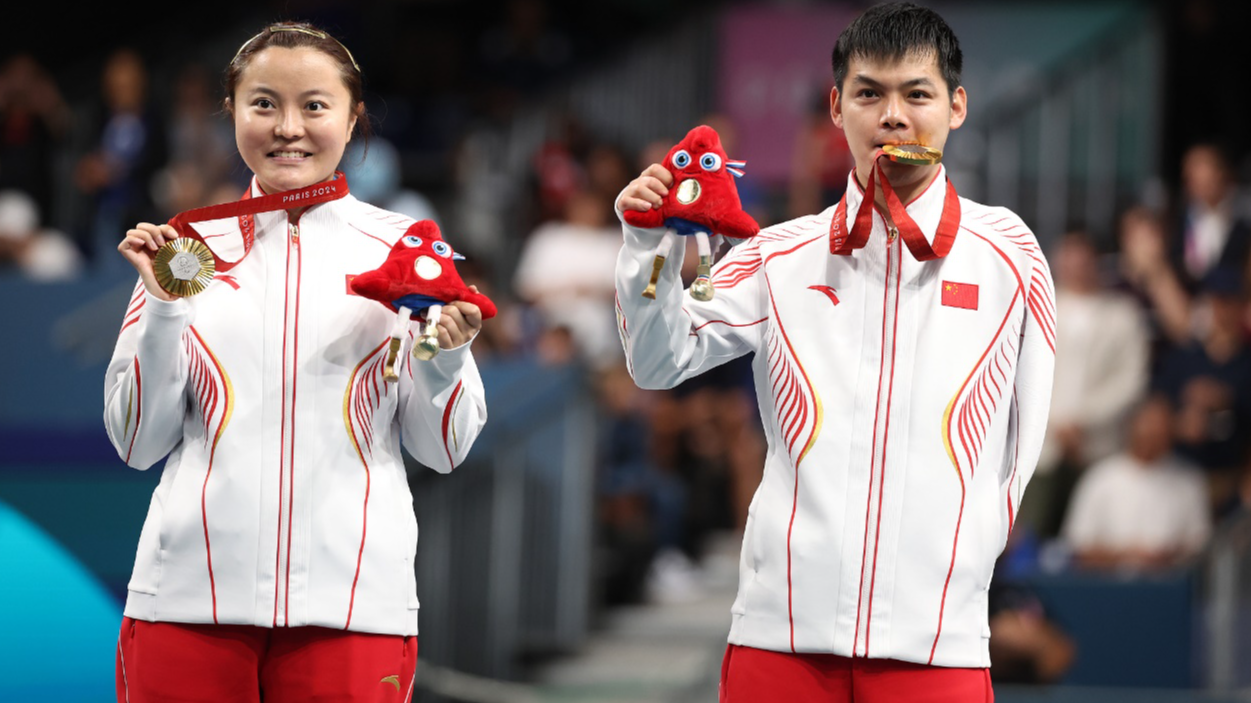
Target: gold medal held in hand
184	266
913	154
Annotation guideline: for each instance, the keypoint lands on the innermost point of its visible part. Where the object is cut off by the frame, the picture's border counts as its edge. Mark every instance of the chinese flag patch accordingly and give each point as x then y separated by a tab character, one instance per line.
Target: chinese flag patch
960	295
350	276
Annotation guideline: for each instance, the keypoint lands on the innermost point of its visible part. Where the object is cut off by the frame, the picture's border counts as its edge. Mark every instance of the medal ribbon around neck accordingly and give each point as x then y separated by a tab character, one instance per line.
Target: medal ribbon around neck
186	265
843	241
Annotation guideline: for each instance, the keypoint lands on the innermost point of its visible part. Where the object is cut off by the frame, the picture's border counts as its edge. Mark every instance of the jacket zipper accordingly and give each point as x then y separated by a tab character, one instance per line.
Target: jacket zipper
283	577
894	266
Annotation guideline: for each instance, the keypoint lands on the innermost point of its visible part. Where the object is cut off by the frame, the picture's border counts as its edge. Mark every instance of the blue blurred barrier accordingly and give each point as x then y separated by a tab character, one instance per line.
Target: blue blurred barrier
1129	632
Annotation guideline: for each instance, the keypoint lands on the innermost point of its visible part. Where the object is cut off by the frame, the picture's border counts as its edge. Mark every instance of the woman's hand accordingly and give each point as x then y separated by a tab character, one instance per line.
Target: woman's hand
139	246
459	323
646	191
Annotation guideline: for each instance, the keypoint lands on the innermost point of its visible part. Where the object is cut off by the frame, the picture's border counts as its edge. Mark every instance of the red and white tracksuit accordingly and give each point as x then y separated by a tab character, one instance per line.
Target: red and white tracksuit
284	500
904	403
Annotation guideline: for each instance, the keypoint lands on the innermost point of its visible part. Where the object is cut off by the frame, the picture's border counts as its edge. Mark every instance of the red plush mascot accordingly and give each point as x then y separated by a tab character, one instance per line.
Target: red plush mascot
703	201
418	276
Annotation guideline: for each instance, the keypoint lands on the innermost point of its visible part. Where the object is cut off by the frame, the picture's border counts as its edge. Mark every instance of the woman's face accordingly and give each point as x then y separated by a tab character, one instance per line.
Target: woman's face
293	117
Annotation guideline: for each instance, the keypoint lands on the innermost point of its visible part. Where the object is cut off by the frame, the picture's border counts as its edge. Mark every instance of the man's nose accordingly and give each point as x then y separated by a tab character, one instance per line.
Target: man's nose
894	114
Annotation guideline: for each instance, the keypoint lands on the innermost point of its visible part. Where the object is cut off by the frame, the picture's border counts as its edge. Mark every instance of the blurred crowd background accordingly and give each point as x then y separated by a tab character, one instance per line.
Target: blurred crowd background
1115	128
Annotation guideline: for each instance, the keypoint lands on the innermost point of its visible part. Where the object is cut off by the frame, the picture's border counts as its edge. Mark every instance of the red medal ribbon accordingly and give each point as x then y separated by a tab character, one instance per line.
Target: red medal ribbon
844	242
245	208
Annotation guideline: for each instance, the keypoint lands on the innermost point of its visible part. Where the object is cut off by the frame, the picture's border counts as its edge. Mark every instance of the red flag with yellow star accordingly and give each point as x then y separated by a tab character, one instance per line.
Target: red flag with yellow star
960	295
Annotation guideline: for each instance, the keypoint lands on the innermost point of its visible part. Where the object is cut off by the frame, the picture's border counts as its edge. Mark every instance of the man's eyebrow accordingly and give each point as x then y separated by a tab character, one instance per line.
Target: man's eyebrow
865	80
913	83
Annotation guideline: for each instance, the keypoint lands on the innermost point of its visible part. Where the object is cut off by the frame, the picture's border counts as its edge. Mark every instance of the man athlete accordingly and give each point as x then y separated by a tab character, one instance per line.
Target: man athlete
903	363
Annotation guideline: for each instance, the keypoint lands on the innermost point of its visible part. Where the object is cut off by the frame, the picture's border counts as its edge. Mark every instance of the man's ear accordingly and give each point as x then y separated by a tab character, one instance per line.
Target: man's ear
959	108
836	108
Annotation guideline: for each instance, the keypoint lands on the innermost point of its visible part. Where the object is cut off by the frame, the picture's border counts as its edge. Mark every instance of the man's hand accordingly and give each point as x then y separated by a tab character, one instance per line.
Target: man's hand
646	191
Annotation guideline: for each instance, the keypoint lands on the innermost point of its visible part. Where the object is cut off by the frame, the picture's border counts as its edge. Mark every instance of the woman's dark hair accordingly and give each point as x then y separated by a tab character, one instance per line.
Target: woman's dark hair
895	30
292	35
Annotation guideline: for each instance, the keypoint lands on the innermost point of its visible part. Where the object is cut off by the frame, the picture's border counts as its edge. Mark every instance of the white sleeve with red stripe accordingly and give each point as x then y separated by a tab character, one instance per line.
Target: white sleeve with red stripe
145	385
442	407
1035	368
675	337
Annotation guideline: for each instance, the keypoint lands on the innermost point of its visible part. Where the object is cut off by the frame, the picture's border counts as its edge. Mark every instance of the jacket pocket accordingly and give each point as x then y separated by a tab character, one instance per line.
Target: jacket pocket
146	576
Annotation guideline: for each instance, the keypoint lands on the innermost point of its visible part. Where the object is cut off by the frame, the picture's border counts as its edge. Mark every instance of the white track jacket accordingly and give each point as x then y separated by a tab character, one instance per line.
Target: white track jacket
904	405
284	500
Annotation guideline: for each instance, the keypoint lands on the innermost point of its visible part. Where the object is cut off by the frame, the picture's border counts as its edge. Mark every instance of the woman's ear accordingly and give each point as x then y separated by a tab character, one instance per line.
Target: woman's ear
357	113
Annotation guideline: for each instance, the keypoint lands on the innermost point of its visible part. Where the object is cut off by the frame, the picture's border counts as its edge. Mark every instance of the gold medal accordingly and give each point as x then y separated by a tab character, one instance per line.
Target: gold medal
688	191
913	154
184	267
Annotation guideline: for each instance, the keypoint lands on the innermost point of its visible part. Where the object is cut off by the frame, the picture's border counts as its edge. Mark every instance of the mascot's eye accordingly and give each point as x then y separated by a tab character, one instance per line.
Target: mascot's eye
710	162
412	240
442	249
682	159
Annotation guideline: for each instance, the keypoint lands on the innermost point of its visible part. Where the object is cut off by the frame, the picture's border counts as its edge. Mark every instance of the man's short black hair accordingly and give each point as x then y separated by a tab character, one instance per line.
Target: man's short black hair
896	30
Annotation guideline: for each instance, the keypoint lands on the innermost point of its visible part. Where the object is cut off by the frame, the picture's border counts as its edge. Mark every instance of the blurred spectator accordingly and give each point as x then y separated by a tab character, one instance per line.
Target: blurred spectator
39	254
642	506
608	170
1211	232
820	161
374	175
202	151
501	338
1238	503
486	195
33	120
1209	382
707	430
129	148
1026	646
558	169
1145	272
200	132
1144	509
566	272
1101	370
522	54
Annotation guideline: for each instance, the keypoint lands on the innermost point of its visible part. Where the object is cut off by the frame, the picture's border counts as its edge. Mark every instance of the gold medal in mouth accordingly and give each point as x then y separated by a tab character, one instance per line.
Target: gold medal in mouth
913	154
688	191
184	267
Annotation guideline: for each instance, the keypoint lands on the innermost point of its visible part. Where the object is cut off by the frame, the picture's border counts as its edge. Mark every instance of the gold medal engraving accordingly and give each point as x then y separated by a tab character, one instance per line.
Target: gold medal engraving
184	267
913	154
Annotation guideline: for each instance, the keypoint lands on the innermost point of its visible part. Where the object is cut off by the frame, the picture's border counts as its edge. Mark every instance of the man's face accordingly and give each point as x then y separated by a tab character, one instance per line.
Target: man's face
1204	176
893	101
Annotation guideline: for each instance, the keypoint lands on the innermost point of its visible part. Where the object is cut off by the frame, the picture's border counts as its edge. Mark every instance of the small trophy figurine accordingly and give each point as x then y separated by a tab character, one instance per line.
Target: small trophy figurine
703	201
418	277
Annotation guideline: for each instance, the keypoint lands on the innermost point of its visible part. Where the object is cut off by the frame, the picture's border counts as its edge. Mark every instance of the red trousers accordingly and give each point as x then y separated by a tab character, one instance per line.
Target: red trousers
751	675
166	662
